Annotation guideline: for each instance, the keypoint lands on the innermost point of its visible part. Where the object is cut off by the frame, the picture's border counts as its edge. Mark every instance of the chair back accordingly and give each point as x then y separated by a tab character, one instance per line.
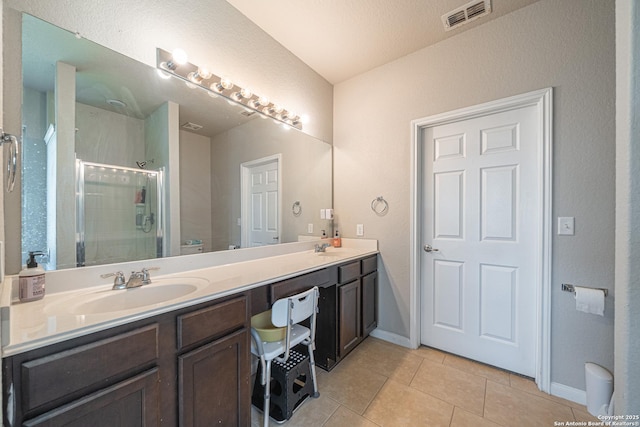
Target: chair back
294	309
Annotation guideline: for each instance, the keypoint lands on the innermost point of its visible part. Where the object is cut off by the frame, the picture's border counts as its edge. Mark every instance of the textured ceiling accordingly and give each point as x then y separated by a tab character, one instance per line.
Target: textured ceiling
340	39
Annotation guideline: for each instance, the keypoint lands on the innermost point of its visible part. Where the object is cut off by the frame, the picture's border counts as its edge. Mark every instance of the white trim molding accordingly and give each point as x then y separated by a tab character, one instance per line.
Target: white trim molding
391	337
542	99
569	393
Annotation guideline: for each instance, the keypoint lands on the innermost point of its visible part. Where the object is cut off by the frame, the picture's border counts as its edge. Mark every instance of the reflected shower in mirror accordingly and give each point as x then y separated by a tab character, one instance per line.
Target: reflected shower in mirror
218	188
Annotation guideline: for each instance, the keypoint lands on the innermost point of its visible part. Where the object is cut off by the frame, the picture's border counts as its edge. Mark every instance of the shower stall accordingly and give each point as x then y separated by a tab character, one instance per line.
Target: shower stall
120	214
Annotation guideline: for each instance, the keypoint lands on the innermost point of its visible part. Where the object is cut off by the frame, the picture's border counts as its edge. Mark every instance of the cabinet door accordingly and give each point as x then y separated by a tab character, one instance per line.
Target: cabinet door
130	403
349	316
369	303
214	383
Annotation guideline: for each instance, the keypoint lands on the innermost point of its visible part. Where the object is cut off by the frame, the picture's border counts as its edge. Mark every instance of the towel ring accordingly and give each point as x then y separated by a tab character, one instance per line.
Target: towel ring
12	160
380	206
296	208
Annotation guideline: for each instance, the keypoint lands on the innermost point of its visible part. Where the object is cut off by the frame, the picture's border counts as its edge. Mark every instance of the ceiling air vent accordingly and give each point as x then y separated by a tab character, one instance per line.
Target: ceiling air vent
191	126
466	13
247	113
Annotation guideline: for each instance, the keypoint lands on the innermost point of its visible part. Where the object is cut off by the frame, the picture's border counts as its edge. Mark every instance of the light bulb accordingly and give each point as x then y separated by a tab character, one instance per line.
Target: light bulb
194	77
263	100
179	56
204	73
277	108
226	83
236	96
246	93
216	87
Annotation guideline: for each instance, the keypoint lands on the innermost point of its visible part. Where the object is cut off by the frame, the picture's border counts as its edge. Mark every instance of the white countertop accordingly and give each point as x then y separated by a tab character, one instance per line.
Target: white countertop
59	315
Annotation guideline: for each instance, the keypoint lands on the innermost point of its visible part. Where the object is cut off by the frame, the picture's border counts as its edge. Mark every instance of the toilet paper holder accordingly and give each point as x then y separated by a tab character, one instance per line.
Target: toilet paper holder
571	288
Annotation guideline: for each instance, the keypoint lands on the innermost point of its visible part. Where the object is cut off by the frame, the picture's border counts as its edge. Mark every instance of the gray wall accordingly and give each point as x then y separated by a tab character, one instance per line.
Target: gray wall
568	45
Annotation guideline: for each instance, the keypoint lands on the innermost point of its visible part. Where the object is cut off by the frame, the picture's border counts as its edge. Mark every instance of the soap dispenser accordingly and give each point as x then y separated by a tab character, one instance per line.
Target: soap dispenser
31	280
324	235
337	241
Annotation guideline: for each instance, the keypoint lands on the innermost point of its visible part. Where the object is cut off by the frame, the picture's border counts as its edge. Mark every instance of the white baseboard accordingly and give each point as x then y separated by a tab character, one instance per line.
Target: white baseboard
391	337
569	393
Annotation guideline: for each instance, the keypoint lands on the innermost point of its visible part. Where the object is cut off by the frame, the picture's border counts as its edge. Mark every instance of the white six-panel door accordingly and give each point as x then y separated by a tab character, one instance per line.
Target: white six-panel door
261	202
480	215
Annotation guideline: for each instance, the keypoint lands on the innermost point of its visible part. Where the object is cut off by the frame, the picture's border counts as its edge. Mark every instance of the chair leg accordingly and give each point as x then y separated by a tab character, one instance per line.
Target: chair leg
312	362
267	394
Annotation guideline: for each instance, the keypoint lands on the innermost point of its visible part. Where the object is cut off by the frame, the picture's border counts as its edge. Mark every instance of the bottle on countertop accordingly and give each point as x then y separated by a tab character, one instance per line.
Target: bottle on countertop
324	235
31	280
337	240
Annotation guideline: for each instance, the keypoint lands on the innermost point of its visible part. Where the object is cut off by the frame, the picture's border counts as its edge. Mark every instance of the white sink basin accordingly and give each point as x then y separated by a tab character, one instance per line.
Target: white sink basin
110	301
128	299
328	255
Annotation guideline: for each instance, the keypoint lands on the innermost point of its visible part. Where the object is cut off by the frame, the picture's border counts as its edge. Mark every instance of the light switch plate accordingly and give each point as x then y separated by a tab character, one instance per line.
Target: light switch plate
360	230
566	225
310	228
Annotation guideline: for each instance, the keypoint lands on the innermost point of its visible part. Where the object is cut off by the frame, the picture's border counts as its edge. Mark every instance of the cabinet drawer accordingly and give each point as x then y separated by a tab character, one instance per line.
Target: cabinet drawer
348	272
134	400
85	368
302	283
369	265
212	322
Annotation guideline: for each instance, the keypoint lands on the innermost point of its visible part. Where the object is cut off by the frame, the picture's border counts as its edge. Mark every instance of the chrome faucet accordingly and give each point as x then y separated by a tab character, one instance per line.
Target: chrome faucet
118	281
321	248
137	278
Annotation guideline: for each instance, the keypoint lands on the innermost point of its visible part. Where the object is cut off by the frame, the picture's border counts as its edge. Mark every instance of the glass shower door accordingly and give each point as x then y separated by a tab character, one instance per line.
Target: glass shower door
119	215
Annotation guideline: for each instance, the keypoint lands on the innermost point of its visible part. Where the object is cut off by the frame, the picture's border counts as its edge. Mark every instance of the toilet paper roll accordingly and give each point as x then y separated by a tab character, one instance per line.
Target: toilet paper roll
590	300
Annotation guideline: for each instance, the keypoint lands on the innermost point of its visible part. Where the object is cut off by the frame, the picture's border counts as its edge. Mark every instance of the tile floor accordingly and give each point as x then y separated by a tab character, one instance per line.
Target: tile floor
381	384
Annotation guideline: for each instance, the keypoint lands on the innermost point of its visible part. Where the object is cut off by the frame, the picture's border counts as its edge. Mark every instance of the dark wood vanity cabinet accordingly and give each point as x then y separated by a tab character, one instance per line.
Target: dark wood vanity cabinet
357	302
190	367
214	366
350	312
347	309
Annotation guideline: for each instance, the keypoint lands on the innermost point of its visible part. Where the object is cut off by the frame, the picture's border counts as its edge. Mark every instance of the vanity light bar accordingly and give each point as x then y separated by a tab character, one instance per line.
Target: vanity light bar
200	77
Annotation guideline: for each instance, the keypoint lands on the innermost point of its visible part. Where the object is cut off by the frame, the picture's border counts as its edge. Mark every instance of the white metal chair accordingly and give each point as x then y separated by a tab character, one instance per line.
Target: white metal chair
287	312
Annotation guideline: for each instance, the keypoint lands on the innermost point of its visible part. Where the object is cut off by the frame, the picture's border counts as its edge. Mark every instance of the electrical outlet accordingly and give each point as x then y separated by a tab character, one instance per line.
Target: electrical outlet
360	230
310	228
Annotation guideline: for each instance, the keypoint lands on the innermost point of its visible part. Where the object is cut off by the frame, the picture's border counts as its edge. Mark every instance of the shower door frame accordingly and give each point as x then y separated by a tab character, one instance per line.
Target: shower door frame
80	207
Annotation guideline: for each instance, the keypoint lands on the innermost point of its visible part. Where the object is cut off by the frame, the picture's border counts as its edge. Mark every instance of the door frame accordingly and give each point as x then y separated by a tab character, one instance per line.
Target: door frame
541	99
245	170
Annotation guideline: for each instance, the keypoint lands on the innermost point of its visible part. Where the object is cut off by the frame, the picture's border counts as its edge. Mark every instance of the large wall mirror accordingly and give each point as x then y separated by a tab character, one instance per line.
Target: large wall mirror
120	164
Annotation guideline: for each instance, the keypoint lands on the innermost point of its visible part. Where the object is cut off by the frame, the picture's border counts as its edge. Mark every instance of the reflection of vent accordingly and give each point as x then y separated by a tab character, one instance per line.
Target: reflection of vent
466	13
247	113
191	126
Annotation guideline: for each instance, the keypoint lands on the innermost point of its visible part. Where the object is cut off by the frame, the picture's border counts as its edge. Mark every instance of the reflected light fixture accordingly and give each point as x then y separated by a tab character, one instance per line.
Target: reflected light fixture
175	64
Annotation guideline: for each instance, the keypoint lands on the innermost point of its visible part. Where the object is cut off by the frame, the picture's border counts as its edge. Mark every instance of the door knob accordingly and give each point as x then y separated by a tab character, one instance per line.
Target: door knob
429	248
